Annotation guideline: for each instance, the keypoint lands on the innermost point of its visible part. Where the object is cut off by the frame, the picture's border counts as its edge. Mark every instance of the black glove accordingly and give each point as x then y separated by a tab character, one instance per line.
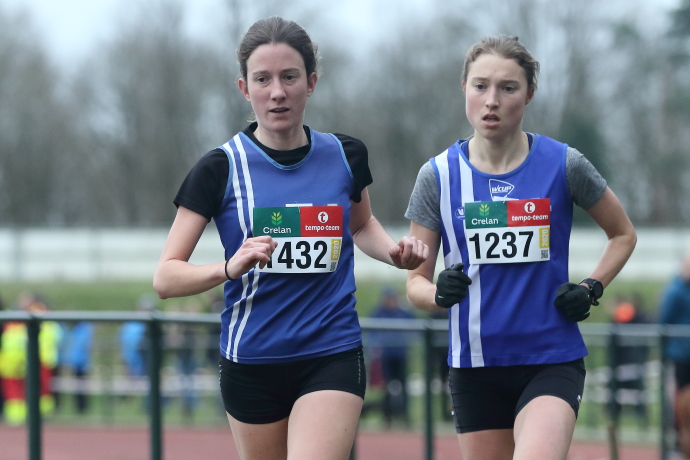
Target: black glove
451	286
573	301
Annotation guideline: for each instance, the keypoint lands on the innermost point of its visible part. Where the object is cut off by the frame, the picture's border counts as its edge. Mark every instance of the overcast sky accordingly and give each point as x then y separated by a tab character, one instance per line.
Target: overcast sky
71	28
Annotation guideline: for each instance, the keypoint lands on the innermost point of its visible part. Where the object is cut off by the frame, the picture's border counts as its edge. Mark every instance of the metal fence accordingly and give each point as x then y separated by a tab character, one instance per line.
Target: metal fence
610	338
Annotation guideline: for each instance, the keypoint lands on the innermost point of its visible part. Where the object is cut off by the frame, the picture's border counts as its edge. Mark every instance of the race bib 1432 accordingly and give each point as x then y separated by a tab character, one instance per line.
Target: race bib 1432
309	237
500	232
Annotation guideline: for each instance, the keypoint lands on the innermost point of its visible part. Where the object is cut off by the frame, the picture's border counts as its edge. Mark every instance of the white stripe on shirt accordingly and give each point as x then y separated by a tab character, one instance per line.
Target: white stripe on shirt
250	206
247	179
474	322
453	250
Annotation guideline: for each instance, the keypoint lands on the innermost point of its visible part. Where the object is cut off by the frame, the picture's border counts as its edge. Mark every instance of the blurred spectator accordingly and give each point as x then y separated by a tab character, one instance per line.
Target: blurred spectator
49	339
440	365
77	356
133	343
675	309
629	361
390	347
13	365
13	371
134	346
216	305
2	397
13	361
183	342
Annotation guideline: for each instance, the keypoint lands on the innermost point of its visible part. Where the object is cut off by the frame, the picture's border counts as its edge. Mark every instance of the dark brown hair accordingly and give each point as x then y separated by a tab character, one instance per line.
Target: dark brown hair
275	30
506	47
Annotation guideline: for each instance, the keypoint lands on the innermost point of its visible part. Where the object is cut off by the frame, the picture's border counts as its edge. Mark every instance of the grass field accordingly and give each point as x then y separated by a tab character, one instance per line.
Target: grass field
122	296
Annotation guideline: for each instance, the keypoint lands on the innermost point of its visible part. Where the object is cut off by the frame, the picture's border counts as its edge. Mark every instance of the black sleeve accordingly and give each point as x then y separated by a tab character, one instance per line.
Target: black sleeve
357	157
204	187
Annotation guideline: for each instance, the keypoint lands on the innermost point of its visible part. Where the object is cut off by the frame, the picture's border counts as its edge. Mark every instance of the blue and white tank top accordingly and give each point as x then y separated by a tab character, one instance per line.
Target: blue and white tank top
512	232
302	305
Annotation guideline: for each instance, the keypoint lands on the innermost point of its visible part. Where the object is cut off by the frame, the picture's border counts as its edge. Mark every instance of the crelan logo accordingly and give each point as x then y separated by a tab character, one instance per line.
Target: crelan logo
276	218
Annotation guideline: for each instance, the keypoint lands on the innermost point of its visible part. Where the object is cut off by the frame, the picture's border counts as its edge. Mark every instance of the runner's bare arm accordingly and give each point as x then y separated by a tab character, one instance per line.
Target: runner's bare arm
420	287
609	214
176	277
370	236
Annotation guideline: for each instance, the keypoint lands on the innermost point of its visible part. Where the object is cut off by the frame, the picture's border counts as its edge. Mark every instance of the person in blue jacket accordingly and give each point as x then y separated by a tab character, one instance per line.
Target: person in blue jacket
675	309
2	397
133	340
391	348
77	355
500	204
289	203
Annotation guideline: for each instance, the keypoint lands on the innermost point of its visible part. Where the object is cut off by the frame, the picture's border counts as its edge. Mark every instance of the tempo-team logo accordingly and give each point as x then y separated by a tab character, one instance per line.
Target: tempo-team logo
323	217
530	212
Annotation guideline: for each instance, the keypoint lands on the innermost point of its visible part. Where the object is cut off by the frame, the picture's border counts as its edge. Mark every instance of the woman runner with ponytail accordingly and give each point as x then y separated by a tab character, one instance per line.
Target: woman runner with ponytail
289	203
500	204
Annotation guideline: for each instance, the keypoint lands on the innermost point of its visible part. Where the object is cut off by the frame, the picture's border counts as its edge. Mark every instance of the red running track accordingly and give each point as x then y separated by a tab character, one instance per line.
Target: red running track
71	443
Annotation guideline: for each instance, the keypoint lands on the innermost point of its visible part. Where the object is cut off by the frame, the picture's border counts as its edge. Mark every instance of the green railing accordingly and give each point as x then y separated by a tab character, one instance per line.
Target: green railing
154	321
615	334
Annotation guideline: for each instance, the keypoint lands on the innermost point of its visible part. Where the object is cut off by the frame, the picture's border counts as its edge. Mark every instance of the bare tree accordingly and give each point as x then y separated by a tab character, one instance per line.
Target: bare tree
162	105
670	164
405	103
111	145
35	128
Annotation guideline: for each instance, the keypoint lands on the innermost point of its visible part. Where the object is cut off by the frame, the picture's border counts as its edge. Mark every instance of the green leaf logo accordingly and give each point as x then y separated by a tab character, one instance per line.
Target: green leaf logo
484	210
277	218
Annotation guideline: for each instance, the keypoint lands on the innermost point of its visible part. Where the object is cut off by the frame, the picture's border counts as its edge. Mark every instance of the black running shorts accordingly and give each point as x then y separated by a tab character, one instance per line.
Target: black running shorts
489	398
265	393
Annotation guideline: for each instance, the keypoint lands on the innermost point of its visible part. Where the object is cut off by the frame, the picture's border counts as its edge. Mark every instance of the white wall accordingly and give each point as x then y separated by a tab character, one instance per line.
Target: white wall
132	254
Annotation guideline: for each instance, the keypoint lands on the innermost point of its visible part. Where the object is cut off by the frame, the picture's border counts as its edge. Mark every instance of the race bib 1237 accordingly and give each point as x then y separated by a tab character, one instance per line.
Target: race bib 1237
500	232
